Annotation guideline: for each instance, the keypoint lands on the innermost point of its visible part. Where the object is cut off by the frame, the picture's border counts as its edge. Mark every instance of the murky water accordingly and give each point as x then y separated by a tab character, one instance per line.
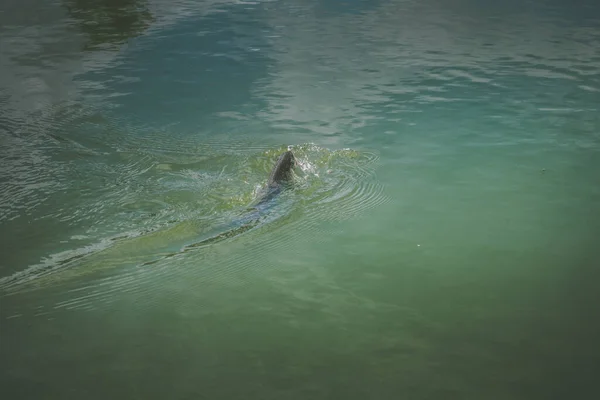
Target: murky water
440	238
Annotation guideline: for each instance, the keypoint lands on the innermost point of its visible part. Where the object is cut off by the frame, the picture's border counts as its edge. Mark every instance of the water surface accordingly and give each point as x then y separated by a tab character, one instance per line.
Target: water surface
440	239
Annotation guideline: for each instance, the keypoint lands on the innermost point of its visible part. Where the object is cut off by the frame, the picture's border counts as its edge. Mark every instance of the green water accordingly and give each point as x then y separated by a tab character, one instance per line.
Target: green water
440	239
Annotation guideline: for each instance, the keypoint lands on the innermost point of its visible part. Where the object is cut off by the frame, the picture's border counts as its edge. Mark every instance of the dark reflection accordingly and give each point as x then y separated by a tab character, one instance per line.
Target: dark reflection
337	7
109	22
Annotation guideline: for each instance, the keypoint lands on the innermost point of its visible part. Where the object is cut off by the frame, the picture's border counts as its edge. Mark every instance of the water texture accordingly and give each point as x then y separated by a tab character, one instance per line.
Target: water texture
440	239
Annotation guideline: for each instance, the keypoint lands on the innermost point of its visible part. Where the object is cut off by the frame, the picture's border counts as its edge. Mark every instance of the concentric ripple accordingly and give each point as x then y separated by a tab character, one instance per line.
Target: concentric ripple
329	186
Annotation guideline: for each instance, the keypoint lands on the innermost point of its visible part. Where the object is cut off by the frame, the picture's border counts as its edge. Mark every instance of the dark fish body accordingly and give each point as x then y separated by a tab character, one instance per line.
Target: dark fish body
282	171
280	176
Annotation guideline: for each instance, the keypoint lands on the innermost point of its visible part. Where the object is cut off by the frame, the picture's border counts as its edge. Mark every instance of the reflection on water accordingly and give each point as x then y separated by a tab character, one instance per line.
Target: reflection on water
109	22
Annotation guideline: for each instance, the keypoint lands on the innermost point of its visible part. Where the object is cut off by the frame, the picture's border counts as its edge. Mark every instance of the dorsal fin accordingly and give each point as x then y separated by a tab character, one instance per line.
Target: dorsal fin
282	171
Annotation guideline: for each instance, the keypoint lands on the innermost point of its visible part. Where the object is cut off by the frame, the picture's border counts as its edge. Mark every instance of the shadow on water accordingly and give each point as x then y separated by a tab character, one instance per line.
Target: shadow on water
109	22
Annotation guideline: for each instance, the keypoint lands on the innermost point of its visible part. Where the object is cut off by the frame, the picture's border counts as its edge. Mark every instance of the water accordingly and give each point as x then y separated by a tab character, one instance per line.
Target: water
440	240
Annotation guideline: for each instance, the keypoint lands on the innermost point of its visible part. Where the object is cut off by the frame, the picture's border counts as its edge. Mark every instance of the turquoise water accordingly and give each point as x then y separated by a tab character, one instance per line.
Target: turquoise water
440	240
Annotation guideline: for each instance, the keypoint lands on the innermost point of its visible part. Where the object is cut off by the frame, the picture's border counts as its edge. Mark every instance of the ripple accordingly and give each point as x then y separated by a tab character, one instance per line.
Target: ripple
330	186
